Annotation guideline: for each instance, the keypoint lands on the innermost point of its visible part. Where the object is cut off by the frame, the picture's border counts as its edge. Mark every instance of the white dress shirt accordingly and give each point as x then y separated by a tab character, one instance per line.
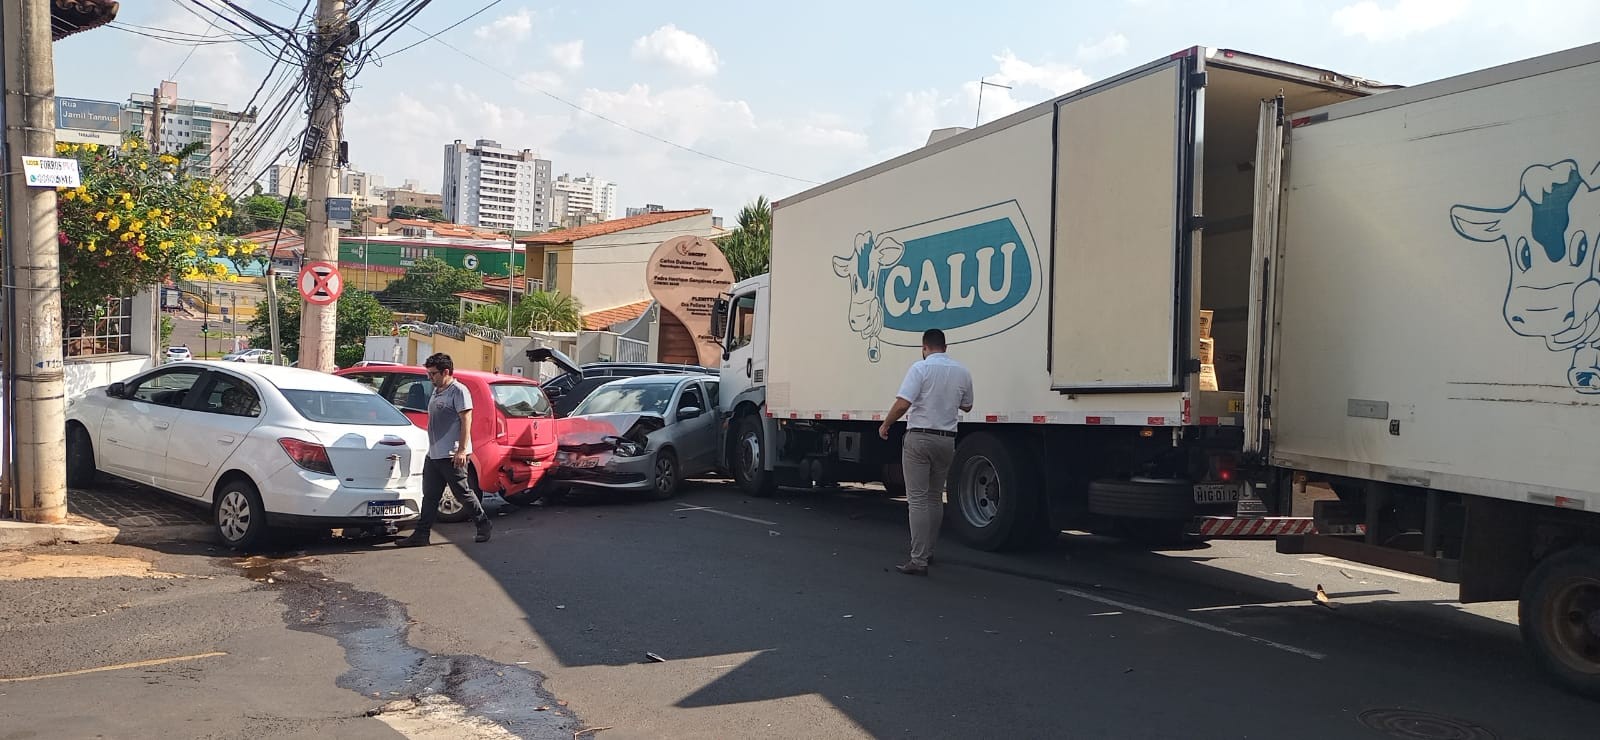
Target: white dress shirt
937	389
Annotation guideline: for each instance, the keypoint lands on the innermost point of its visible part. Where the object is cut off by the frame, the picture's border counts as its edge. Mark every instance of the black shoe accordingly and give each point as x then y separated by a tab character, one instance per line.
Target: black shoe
417	539
483	530
912	569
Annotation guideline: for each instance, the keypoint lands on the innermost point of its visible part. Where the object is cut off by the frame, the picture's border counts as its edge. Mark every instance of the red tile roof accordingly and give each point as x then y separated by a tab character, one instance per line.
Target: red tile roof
482	296
290	242
589	231
602	320
439	228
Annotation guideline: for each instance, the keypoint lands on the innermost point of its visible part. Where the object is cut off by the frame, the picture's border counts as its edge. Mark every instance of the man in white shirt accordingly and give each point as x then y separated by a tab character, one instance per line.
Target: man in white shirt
935	392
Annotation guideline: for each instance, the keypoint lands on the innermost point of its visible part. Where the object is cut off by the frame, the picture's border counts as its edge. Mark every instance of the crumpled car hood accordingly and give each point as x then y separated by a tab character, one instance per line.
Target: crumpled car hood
597	432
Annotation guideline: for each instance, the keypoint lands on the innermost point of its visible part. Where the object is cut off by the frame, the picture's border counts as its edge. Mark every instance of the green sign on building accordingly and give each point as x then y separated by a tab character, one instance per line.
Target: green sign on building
396	256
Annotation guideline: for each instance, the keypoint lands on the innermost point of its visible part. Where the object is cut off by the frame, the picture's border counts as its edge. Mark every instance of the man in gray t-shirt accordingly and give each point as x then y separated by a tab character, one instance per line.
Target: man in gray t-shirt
449	444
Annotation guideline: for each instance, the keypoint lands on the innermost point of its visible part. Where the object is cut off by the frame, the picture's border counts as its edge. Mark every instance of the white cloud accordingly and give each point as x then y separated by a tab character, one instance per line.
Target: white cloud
678	48
1399	20
1114	45
568	56
1052	77
540	80
515	27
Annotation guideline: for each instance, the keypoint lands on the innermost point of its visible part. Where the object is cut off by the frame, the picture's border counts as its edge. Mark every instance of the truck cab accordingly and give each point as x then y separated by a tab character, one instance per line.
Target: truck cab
739	322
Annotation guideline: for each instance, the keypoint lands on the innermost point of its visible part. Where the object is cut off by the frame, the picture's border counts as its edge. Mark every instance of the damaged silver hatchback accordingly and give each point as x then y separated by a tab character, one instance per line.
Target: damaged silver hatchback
644	434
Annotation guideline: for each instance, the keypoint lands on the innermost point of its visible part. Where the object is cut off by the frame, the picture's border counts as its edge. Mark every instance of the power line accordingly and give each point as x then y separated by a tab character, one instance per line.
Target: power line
446	29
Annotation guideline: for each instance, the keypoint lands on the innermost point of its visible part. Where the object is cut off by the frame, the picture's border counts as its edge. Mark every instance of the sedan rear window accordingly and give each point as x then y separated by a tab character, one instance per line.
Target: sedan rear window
520	401
346	408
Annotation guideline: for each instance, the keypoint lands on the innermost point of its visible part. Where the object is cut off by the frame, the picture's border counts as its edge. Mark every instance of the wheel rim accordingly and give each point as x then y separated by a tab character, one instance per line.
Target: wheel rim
1573	620
233	515
978	490
664	474
449	505
750	455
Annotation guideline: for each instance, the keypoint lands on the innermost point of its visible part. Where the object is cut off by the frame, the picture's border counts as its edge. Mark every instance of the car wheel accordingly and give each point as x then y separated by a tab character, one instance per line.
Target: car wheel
452	509
81	472
241	519
664	482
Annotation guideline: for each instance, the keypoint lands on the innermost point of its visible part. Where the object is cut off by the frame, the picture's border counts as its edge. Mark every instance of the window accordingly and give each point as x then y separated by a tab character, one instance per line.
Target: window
231	396
105	329
628	398
165	389
520	400
372	381
743	322
345	408
412	393
714	390
692	398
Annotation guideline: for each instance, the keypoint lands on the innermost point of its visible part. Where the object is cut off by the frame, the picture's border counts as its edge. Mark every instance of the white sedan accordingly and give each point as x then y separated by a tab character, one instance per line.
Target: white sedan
259	356
264	446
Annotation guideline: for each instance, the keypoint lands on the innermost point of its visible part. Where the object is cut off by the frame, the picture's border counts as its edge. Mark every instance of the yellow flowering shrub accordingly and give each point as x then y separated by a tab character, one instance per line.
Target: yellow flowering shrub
121	230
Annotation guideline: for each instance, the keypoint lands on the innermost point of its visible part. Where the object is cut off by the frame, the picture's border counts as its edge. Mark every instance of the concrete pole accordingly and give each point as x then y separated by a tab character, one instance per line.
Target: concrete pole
318	323
38	408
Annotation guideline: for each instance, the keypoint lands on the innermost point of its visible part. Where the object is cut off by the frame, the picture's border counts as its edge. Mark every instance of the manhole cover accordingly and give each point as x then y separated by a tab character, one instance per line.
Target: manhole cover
1411	724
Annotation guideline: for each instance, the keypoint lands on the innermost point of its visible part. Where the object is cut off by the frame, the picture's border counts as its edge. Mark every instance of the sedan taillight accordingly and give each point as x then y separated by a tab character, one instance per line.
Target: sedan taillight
308	455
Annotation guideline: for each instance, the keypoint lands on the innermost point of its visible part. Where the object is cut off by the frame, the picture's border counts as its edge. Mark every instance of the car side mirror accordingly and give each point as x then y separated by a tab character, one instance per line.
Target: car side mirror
690	412
116	390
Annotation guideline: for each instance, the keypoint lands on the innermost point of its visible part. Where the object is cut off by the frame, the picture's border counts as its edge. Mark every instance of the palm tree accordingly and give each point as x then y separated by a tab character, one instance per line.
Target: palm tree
548	311
493	316
749	248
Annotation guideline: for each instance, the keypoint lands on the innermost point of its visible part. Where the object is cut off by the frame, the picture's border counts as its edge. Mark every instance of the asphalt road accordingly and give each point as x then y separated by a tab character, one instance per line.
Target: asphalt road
771	618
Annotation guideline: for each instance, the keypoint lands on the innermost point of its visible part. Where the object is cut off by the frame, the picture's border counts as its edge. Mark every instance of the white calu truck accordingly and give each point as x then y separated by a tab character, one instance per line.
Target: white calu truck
1183	287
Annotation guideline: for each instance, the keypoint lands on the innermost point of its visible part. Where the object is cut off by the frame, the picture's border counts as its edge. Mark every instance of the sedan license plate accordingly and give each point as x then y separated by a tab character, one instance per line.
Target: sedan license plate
1218	493
385	508
586	462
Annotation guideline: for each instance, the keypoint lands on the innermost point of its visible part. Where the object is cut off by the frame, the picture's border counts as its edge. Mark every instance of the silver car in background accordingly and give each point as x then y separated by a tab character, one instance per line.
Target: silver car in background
644	434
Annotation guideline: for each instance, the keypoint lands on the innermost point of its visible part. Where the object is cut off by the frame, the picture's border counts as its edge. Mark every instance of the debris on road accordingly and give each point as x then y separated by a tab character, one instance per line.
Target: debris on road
653	658
1322	599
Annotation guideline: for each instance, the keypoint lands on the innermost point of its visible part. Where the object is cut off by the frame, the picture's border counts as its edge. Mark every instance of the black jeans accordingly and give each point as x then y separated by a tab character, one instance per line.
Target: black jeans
436	474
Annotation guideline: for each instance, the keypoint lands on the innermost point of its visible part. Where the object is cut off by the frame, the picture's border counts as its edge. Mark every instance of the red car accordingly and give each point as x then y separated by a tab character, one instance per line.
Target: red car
513	426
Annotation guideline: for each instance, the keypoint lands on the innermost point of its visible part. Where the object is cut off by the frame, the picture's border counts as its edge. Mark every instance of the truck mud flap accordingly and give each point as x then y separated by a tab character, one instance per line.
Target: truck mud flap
1232	527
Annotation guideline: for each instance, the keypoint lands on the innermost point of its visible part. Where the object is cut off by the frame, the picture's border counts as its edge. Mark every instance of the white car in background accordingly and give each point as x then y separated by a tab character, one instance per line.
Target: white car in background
264	446
179	353
258	356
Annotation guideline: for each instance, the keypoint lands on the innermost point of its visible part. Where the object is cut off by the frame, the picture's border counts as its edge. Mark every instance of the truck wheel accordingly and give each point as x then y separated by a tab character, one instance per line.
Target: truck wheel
1560	618
749	457
995	500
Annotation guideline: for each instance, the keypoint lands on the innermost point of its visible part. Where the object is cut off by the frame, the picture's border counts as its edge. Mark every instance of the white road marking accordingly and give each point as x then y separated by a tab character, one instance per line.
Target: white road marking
1333	562
117	667
1191	622
730	515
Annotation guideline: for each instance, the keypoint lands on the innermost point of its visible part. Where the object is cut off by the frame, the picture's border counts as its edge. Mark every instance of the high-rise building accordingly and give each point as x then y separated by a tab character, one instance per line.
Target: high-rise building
648	208
489	186
282	177
587	195
170	123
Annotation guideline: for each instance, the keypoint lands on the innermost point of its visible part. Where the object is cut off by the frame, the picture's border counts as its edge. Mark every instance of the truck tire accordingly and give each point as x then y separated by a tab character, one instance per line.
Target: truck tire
747	455
995	497
1559	615
1121	499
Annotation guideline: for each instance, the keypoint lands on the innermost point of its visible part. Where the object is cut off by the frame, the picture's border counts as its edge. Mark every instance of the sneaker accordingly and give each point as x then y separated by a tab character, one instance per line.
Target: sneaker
912	569
483	530
417	539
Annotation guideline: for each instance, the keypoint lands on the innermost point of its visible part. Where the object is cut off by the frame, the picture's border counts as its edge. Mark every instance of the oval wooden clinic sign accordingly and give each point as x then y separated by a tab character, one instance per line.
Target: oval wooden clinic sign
685	275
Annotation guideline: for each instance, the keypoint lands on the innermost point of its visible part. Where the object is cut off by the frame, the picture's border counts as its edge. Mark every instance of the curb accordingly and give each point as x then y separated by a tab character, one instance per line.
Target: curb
166	533
18	535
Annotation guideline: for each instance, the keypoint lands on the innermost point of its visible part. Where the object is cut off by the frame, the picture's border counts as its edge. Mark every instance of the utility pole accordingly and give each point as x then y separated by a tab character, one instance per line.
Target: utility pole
155	121
333	35
36	396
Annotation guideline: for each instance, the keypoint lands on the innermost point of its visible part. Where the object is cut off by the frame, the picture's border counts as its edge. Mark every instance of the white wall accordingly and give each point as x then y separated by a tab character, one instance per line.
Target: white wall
609	271
84	375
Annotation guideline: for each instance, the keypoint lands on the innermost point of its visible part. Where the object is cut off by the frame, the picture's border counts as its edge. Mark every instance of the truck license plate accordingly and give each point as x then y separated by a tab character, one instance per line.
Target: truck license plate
385	508
1218	493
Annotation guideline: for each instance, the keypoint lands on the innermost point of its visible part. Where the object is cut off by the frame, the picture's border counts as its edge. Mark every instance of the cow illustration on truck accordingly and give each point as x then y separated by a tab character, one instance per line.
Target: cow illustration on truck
1553	292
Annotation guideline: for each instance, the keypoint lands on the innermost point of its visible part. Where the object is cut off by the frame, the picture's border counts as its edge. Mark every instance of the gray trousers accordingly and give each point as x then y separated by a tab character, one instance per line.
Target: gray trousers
925	459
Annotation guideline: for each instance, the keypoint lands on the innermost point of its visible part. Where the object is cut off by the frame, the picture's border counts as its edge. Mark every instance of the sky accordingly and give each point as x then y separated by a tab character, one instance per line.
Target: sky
776	97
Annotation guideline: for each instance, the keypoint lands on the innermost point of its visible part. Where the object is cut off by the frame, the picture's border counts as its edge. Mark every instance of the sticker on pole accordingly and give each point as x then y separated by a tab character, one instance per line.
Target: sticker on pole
51	172
320	283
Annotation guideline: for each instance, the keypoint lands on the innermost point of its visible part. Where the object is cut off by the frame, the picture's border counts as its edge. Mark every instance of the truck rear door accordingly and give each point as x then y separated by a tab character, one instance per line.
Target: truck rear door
1263	263
1125	169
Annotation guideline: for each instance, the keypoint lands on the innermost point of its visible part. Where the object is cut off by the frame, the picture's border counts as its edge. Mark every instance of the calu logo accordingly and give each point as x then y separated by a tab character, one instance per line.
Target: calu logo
973	275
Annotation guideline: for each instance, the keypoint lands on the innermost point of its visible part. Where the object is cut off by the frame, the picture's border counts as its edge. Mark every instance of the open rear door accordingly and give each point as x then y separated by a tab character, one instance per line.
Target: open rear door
1263	273
1124	196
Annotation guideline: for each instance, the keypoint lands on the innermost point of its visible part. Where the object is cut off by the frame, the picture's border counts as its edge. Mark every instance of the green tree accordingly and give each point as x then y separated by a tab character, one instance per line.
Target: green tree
493	317
360	316
429	288
547	311
166	329
749	248
264	212
402	212
432	214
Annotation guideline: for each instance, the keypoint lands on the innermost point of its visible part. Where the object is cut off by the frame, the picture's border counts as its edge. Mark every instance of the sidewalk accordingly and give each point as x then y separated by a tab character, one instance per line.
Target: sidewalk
116	511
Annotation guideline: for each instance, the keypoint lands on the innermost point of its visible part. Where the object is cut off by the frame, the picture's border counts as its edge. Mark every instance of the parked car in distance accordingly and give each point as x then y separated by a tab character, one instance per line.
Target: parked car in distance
257	356
645	433
179	353
575	383
263	446
513	428
375	363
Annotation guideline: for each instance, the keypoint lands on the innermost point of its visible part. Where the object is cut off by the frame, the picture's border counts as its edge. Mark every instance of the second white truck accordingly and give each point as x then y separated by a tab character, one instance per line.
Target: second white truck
1182	287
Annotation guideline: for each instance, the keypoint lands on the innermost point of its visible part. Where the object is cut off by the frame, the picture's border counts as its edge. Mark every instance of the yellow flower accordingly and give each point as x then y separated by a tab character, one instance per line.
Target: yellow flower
165	245
61	148
136	226
100	215
168	159
212	252
92	147
154	213
91	247
82	190
68	194
129	236
194	238
113	224
144	165
144	257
